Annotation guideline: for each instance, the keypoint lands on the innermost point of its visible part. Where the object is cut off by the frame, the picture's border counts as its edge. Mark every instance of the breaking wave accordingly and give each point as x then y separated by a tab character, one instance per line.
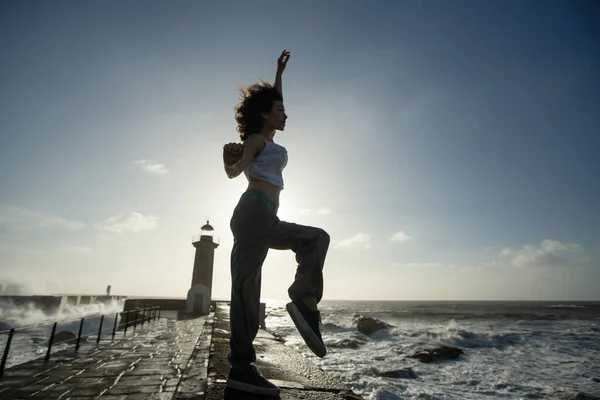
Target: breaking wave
511	350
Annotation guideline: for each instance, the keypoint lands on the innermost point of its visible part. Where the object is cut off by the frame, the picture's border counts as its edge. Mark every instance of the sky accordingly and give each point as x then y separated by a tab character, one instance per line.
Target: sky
450	149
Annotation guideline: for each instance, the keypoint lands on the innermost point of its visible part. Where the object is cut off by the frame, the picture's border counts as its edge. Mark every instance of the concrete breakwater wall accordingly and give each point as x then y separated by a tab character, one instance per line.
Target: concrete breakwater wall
50	304
178	305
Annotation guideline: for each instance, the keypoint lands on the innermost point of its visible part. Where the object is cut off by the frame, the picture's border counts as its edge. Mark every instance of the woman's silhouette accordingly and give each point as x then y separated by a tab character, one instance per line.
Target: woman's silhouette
256	228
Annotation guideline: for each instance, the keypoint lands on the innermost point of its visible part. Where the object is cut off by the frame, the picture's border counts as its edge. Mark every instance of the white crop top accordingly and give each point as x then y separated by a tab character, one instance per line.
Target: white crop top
269	164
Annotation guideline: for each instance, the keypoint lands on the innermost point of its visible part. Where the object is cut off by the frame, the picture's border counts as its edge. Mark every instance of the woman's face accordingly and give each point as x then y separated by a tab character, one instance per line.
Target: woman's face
276	117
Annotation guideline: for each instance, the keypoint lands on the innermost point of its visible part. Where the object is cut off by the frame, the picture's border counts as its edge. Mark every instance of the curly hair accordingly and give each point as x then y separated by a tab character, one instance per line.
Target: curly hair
255	99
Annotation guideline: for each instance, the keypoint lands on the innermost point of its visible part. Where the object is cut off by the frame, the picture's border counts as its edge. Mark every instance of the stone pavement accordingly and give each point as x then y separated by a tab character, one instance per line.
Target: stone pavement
152	363
170	359
295	374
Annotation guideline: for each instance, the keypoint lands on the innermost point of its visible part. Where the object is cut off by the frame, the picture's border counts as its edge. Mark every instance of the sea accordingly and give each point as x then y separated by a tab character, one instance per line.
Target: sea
512	350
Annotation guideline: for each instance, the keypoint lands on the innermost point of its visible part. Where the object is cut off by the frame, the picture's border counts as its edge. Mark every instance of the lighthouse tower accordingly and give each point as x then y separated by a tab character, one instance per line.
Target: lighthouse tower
199	294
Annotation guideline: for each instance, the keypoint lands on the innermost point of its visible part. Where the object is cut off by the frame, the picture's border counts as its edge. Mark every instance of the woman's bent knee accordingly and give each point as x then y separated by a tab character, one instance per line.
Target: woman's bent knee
324	237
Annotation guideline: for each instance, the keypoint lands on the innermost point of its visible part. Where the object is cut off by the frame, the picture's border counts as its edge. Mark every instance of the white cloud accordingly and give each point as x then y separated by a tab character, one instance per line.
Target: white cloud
318	211
423	265
418	265
134	222
549	253
23	219
358	241
152	168
401	237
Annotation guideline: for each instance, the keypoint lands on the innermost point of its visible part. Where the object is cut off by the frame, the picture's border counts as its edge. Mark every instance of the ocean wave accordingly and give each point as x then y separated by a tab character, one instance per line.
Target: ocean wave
346	343
566	314
512	351
383	394
474	340
336	328
466	338
16	316
345	335
33	326
565	306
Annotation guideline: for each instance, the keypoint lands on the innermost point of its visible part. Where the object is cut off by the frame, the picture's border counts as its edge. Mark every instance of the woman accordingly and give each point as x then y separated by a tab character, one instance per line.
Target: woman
256	229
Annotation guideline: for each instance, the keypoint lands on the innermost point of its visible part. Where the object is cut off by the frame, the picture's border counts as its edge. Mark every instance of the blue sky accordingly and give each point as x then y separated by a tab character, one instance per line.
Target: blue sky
449	148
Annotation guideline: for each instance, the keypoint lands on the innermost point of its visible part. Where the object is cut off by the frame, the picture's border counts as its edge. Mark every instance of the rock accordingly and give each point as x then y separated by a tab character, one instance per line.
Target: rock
347	344
64	336
368	325
385	395
407	373
596	380
566	393
348	395
440	353
583	396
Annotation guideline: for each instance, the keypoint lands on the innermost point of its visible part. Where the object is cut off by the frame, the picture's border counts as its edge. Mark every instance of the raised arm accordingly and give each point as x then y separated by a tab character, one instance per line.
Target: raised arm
281	63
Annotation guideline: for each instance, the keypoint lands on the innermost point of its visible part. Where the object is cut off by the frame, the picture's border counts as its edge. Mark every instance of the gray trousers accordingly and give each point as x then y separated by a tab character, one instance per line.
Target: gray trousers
256	229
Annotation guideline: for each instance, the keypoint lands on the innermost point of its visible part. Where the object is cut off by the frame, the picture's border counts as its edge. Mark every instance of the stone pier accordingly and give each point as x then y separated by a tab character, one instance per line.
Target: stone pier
171	358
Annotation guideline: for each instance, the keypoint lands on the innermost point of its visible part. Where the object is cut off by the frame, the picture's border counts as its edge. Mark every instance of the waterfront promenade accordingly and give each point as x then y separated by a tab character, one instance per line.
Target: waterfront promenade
169	359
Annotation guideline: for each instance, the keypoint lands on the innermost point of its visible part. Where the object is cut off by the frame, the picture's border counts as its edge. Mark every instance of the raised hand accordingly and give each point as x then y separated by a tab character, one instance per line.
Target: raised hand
282	61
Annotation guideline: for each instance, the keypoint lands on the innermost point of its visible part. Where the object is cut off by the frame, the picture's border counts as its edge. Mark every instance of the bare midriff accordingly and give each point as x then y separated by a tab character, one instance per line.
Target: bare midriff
271	190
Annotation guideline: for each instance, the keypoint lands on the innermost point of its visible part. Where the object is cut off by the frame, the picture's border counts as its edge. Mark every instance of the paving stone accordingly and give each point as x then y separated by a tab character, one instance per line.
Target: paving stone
92	390
127	390
90	380
168	360
159	396
220	392
296	375
147	363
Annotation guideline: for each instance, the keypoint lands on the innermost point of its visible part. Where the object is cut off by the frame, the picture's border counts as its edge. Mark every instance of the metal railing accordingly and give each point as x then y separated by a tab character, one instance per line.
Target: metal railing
132	318
197	238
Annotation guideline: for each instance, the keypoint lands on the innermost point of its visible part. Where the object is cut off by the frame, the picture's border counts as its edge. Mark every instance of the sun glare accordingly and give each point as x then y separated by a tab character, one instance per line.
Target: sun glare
290	204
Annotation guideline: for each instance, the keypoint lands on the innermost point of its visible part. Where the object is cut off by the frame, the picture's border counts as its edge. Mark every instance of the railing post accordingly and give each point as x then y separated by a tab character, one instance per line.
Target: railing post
115	326
6	350
135	319
100	329
159	313
51	341
79	335
126	323
154	312
143	316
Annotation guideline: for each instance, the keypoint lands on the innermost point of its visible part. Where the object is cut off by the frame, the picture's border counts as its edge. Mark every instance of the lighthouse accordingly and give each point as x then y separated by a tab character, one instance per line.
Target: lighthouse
199	294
